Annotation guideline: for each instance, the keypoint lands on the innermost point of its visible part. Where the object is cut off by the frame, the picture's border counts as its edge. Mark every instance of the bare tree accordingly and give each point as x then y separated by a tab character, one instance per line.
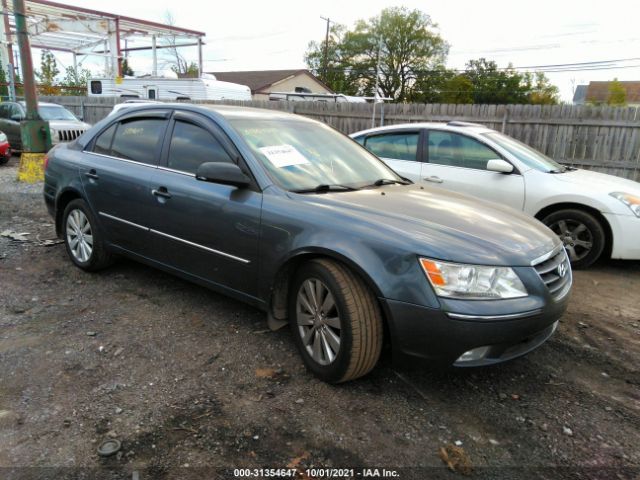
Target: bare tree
172	56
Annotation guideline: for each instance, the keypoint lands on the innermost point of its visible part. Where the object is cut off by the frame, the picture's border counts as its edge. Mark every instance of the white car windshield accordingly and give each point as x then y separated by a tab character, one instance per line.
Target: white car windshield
300	155
527	155
54	112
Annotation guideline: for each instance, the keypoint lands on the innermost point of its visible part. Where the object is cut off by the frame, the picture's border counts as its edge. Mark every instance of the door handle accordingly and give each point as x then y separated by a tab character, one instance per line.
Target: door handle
92	174
161	192
434	179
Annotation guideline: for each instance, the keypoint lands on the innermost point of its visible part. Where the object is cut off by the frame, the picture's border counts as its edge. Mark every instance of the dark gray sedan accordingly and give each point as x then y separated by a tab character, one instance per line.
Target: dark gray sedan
296	219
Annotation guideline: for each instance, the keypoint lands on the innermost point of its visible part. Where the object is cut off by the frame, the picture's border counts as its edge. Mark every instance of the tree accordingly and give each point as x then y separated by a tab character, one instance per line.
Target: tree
403	42
4	87
75	80
339	74
126	69
617	94
176	61
48	72
543	92
497	86
457	89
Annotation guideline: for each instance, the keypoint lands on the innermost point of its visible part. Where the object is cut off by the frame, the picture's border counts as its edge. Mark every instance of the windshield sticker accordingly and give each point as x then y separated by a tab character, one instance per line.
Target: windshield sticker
284	156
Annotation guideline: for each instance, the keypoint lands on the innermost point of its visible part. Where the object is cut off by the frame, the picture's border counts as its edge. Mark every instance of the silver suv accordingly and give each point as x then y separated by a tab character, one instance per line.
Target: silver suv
64	125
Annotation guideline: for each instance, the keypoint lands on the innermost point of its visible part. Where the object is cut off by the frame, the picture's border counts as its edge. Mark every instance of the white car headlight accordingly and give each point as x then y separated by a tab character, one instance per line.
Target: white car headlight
472	282
3	137
631	201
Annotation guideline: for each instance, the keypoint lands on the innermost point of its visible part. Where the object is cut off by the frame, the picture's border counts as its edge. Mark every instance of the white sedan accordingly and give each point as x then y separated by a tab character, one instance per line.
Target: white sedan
593	214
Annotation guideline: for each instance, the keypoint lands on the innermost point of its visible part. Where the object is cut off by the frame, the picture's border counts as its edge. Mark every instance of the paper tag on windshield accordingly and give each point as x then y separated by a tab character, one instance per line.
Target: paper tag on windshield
284	156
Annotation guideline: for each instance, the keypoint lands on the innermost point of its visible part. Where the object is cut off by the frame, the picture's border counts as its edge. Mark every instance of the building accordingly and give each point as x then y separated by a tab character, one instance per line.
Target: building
264	82
598	92
580	94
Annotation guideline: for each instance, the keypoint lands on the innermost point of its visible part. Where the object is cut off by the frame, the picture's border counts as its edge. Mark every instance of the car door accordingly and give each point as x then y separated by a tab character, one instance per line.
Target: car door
116	170
206	229
401	150
458	162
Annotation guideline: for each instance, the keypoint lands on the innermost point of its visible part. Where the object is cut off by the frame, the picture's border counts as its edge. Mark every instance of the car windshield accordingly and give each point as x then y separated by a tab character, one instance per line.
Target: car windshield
527	155
301	155
55	112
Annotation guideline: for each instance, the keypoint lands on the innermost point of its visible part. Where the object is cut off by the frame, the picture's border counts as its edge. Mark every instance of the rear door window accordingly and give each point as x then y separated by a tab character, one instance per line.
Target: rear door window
192	146
398	146
138	140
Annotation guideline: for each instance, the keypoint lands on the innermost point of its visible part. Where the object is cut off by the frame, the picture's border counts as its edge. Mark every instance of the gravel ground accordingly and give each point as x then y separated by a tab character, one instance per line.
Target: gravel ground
193	383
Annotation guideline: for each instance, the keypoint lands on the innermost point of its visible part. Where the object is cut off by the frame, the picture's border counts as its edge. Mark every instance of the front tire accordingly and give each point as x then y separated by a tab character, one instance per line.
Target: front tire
335	320
583	235
82	239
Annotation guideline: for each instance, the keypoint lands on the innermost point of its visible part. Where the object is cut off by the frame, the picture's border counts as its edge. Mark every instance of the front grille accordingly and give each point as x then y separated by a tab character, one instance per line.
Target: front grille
69	135
555	272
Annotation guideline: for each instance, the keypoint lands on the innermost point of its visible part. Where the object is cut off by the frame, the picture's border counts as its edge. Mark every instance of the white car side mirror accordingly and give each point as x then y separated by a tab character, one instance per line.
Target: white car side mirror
499	166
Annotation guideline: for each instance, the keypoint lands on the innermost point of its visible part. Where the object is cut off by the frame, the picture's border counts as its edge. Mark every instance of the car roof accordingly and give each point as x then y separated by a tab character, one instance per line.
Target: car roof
228	111
454	126
43	104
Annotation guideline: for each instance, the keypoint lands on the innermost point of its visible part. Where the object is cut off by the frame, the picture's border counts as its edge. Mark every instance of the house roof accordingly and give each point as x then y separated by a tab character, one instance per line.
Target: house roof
258	80
599	91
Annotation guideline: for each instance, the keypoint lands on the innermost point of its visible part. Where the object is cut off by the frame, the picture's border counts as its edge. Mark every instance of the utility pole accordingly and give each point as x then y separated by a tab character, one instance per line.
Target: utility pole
326	50
34	132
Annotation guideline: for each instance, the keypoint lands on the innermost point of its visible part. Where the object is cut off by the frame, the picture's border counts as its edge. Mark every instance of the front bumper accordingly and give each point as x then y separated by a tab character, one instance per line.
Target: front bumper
626	231
420	334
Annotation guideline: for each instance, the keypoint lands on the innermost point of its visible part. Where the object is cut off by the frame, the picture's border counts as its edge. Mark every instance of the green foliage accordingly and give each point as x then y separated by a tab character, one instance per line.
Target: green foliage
403	41
497	86
412	65
617	94
4	89
339	75
48	69
457	89
186	70
543	92
127	71
75	80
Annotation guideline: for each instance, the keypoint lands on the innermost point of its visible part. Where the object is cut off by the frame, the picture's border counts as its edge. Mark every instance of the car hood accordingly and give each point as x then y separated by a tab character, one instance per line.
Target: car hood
600	182
68	125
442	224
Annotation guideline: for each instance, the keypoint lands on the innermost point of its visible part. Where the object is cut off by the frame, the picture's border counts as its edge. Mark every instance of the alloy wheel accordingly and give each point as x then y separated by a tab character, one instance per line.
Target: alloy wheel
318	321
576	236
79	235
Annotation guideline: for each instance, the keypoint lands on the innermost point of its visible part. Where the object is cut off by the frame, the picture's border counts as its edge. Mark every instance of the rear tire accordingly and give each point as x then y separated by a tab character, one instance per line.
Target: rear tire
83	241
583	235
335	320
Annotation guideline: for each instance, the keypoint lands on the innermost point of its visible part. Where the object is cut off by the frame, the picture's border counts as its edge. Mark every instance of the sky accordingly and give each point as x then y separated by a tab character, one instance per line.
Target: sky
251	35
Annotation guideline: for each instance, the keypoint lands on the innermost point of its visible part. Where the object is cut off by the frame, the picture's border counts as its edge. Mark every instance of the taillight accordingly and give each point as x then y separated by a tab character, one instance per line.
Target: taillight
46	161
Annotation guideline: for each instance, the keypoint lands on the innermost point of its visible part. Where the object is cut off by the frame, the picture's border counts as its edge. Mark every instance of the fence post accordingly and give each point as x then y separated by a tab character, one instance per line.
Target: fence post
505	119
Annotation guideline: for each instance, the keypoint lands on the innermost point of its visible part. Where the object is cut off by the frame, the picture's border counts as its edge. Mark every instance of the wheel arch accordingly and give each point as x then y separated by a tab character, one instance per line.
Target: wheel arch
65	197
278	299
549	209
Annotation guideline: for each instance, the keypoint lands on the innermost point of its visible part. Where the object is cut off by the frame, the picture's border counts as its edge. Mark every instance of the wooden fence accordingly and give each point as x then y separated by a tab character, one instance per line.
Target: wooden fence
605	139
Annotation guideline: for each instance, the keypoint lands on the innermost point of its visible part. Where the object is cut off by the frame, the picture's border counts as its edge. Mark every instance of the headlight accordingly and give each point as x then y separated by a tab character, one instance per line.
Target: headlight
54	132
472	282
631	201
3	137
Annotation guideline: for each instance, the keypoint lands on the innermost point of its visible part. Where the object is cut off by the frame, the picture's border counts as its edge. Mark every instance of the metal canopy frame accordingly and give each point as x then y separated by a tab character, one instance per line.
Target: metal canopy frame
82	31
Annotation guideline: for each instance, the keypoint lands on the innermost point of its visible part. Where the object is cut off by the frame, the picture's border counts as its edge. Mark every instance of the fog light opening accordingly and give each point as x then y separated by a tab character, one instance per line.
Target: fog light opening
473	355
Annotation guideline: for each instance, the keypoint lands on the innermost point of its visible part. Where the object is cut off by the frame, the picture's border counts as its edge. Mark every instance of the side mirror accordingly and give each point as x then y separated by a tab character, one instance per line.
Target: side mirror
16	117
224	173
499	166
